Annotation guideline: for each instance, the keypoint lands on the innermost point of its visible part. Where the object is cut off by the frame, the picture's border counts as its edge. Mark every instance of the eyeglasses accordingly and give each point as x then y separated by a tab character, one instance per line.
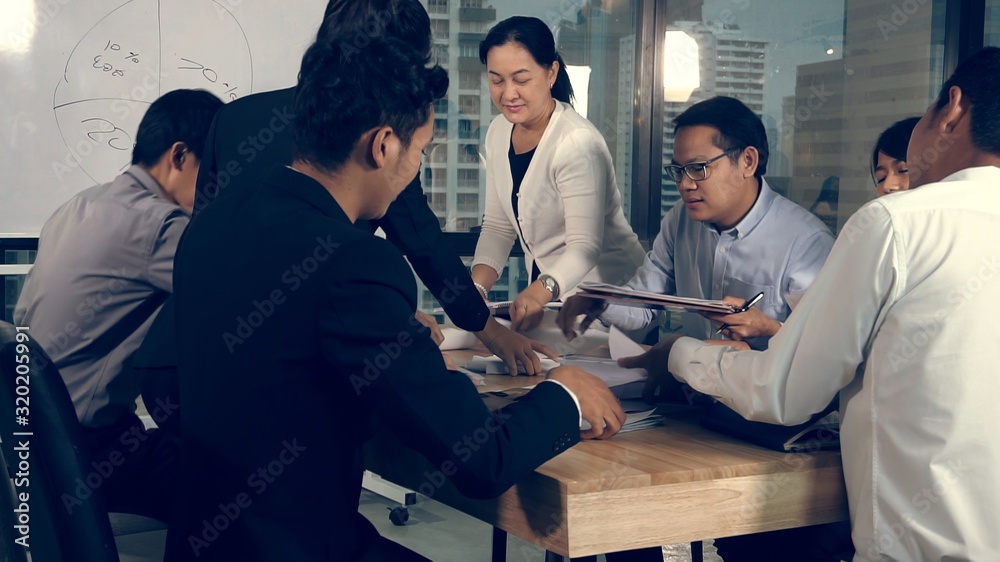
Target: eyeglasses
697	171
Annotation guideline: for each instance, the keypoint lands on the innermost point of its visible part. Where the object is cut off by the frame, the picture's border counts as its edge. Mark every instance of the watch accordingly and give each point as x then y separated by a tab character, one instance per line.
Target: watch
550	284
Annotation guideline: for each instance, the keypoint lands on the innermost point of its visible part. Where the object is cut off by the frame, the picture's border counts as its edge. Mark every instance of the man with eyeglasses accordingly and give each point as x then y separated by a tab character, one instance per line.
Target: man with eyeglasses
730	238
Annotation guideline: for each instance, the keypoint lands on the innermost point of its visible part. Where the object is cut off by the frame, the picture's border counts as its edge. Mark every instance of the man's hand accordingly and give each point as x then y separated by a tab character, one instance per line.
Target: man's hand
528	307
745	325
513	348
430	322
573	307
597	404
660	382
449	362
654	361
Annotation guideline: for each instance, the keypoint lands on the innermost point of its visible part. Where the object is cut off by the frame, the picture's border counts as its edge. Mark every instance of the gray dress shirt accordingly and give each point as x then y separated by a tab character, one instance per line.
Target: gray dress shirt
104	266
777	248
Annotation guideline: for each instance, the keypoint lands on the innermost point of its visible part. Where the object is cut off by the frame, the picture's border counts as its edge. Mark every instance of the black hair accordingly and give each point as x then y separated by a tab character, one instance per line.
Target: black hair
893	141
979	79
738	127
353	24
829	193
537	39
178	116
340	96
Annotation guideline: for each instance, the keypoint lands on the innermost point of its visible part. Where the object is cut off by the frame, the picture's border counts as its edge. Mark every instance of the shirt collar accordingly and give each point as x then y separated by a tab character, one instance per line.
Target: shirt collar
754	216
142	177
290	180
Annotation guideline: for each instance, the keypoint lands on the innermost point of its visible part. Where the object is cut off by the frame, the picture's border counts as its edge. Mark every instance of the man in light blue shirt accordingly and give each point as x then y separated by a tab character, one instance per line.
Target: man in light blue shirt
730	238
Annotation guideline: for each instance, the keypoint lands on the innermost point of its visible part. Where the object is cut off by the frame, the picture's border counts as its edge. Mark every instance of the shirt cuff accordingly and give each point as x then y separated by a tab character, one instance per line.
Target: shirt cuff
576	400
681	355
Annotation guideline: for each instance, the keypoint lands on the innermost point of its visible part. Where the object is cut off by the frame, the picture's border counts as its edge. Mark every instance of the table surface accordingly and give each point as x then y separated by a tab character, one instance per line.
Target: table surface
665	485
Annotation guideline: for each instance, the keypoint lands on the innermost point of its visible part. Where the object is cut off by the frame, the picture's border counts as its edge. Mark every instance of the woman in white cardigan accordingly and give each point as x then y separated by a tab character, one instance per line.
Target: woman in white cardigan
549	178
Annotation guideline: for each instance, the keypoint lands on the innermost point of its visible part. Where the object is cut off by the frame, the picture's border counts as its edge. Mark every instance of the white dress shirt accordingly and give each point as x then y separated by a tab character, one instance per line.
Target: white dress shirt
569	208
902	321
778	248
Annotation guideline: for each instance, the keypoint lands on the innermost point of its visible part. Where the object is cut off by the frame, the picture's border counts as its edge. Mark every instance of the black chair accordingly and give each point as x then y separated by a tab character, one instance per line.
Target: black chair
58	463
10	551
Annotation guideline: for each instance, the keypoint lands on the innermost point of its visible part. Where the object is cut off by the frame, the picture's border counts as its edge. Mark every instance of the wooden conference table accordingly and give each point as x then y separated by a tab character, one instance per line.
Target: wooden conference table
672	484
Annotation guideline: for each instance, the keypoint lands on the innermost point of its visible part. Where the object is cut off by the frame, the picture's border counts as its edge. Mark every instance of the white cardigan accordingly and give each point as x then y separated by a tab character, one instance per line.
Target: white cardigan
569	207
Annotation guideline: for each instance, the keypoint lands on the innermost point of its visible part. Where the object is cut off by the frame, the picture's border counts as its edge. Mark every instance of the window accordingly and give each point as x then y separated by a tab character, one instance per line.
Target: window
440	127
440	29
824	95
992	27
468	178
440	54
469	50
468	80
468	202
473	26
469	104
437	6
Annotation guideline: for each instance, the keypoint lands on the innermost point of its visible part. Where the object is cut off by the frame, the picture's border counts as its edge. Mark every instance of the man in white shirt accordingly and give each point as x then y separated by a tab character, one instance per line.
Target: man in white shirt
900	321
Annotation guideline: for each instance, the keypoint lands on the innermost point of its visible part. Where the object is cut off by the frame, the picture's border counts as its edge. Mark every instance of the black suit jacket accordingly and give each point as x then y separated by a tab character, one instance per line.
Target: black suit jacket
296	332
252	135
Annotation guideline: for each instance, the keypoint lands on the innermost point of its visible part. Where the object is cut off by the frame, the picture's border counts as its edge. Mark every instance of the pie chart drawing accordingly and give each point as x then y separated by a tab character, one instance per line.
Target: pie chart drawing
133	55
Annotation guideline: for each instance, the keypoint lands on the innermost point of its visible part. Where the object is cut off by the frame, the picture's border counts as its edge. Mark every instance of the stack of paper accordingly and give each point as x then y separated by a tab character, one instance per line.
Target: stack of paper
494	365
638	415
643	299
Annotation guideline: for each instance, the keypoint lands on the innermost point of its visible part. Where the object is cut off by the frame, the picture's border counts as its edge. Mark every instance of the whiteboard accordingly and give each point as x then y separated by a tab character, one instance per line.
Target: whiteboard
76	77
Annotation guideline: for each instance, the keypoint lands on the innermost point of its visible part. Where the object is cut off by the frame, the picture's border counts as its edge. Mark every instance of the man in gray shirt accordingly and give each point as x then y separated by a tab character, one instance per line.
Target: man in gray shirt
104	266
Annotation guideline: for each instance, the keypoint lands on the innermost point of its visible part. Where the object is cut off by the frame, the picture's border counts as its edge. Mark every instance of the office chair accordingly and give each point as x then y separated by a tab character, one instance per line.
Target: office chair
10	551
58	464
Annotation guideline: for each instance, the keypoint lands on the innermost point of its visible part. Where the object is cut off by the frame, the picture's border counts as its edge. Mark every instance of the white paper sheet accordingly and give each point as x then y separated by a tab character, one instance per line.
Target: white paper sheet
622	345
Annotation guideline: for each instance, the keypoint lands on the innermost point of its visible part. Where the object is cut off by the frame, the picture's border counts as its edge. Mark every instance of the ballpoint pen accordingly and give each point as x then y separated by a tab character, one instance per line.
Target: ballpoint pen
746	306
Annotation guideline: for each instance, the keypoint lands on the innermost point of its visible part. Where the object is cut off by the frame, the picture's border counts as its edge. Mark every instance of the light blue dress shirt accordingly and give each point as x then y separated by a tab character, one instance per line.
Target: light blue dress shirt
777	248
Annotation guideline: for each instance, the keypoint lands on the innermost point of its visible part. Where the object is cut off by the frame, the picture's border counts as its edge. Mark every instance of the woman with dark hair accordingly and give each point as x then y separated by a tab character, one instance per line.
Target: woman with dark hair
825	206
889	170
550	181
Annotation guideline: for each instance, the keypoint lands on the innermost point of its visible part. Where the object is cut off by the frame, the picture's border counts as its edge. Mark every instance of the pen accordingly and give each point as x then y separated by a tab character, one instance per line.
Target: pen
746	306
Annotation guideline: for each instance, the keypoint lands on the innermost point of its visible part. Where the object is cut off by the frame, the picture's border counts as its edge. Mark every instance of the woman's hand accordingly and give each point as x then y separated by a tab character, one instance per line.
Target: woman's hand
526	310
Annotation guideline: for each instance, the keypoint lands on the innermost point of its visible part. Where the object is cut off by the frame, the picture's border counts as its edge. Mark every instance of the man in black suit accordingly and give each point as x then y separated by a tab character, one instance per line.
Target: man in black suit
251	135
296	332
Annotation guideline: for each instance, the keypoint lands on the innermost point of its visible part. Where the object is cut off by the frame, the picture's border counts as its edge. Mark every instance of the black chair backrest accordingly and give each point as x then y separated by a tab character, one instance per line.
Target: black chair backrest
10	549
68	518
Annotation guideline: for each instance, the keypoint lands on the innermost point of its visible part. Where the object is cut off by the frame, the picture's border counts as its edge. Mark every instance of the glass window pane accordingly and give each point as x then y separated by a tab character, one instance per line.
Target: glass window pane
825	77
992	28
595	34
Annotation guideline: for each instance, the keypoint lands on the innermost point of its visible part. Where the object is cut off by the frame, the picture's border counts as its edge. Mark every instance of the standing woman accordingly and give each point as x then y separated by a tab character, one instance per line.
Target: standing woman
549	178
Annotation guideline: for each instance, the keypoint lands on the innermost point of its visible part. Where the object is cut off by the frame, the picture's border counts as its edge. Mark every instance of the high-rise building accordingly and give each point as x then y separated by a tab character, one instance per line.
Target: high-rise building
729	65
624	126
453	180
892	64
